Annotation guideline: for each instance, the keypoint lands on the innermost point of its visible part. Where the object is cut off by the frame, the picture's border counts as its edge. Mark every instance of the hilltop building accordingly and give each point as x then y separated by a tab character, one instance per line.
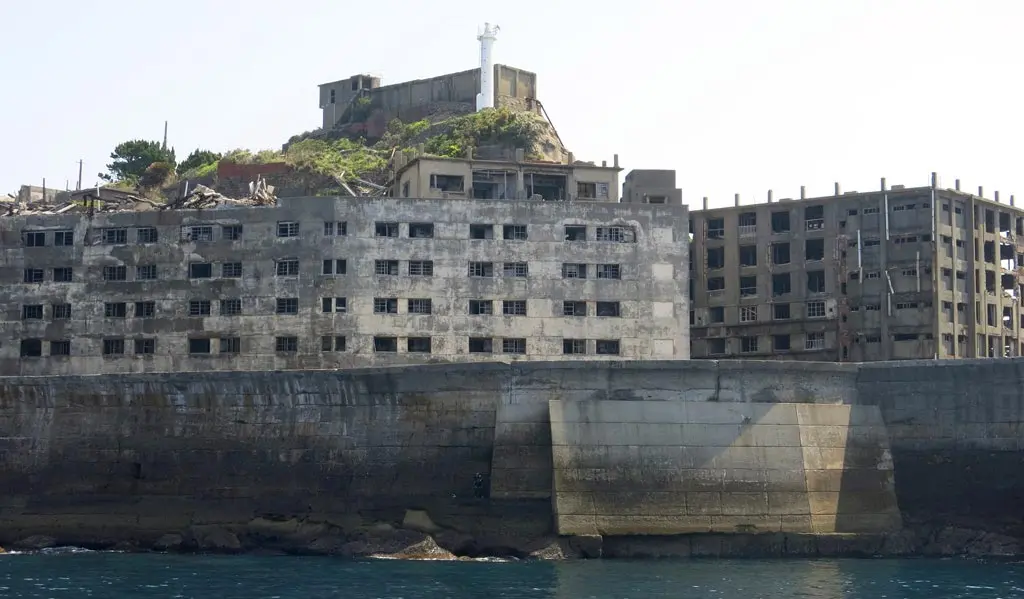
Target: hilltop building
318	282
898	273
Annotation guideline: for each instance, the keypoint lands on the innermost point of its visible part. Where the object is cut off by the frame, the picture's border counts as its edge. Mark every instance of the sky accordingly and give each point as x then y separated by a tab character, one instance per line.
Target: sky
737	96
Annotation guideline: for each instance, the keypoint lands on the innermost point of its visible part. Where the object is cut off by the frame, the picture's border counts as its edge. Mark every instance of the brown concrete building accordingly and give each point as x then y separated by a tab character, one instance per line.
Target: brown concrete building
899	273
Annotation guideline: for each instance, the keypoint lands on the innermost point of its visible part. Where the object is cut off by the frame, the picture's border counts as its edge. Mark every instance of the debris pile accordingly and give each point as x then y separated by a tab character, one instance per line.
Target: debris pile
202	197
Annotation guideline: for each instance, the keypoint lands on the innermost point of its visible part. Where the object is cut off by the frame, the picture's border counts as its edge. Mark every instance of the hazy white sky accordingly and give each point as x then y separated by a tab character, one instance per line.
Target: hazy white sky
738	96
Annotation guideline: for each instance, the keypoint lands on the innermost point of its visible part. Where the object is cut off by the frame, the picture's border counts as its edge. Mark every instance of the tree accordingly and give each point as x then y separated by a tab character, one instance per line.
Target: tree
131	159
197	159
156	175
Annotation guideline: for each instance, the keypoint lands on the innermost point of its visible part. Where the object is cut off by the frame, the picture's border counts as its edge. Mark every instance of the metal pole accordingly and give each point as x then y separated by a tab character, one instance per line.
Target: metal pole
79	186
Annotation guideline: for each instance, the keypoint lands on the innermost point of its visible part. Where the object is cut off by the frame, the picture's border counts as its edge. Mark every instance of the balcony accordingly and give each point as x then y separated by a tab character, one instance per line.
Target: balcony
748	230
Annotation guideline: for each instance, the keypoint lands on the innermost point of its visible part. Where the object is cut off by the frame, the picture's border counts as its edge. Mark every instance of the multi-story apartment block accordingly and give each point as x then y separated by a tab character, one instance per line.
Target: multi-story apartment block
342	282
900	273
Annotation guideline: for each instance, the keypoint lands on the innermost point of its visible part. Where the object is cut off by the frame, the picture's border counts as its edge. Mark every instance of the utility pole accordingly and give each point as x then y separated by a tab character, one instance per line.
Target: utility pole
79	186
165	135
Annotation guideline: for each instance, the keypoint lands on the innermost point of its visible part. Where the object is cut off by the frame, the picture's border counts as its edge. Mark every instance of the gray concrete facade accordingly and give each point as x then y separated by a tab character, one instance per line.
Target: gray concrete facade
342	282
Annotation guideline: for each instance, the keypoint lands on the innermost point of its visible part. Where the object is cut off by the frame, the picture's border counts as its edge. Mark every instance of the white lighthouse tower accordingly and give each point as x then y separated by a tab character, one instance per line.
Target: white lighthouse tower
485	99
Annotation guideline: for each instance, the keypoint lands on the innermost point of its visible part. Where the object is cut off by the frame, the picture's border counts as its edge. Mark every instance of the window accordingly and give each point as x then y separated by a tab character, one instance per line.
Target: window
716	285
609	271
332	343
385	344
115	236
231	270
197	233
199	308
513	346
574	271
146	235
63	238
31	348
574	308
419	231
113	347
34	239
781	284
33	275
514	232
780	343
335	267
286	344
61	311
332	229
816	281
230	307
481	231
421	268
815	341
386	229
513	307
616	234
385	305
481	345
199	346
780	312
814	250
814	217
574	346
748	313
515	269
288	267
287	229
287	305
748	286
780	222
481	307
115	273
386	267
230	345
747	224
62	274
200	270
716	228
607	347
145	309
420	306
748	344
481	269
115	310
613	309
338	305
575	233
716	315
231	232
418	345
60	348
748	255
145	347
715	257
815	309
145	272
32	312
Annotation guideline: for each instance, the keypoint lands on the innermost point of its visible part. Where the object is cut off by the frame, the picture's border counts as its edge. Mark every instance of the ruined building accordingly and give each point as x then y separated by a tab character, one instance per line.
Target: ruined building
320	282
899	273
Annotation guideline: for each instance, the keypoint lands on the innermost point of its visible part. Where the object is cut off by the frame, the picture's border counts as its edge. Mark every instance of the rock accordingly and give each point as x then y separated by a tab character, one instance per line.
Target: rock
125	547
219	539
168	542
992	544
36	542
458	543
291	533
419	520
551	550
2	550
405	544
587	546
326	545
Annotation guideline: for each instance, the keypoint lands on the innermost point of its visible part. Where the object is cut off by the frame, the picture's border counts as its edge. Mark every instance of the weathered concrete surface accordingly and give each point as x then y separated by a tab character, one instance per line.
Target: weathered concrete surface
671	467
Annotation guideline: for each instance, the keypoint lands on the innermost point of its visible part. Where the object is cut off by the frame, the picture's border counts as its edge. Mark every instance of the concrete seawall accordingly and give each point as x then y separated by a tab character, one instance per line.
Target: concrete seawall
134	457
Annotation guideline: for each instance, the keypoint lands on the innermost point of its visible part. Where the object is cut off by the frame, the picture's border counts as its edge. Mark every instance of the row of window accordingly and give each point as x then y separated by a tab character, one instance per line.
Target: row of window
328	343
337	305
285	229
716	314
812	342
814	219
289	267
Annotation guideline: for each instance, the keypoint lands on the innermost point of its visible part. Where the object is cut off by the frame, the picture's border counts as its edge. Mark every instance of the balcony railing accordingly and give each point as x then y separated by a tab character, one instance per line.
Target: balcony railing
813	224
748	230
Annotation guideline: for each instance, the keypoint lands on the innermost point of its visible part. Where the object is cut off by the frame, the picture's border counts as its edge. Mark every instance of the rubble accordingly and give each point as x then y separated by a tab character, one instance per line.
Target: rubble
202	197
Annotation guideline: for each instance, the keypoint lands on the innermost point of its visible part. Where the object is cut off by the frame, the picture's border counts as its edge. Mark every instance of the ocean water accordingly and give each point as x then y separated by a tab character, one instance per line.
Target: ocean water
57	575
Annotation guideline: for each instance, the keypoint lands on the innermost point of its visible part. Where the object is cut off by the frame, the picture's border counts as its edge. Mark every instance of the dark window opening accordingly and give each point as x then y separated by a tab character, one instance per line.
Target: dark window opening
421	230
481	231
781	284
780	222
198	346
385	344
814	249
715	257
31	348
748	255
385	230
575	233
481	345
748	286
816	281
780	253
716	315
418	345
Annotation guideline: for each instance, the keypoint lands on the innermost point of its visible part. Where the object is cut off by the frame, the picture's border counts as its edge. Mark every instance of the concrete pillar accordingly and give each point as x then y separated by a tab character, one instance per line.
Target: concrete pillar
705	203
935	180
997	196
837	188
615	160
958	184
981	191
1012	203
803	192
736	199
769	196
883	184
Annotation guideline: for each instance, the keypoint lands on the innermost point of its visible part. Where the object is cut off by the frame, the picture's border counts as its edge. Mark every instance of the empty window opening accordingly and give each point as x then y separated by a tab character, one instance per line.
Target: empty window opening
814	218
990	252
335	228
607	347
34	238
421	230
716	347
748	286
716	315
145	309
63	274
990	281
330	343
418	345
385	305
780	343
781	284
145	272
382	229
574	346
990	221
146	235
574	271
748	255
814	249
548	187
481	345
481	269
200	270
481	231
780	312
334	267
494	185
816	281
575	233
63	238
60	348
780	222
115	236
574	308
115	310
716	285
514	232
113	347
337	305
780	253
231	232
715	258
613	309
716	228
31	348
447	183
480	307
33	275
747	224
199	346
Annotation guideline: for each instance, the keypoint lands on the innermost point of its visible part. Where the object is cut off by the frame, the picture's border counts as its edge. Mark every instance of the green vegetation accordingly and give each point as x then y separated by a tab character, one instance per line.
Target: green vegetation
499	126
157	175
340	158
196	161
131	159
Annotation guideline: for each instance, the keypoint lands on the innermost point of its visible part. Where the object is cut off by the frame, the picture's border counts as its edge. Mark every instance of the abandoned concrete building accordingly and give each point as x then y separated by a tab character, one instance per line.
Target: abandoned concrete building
899	273
437	177
319	282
